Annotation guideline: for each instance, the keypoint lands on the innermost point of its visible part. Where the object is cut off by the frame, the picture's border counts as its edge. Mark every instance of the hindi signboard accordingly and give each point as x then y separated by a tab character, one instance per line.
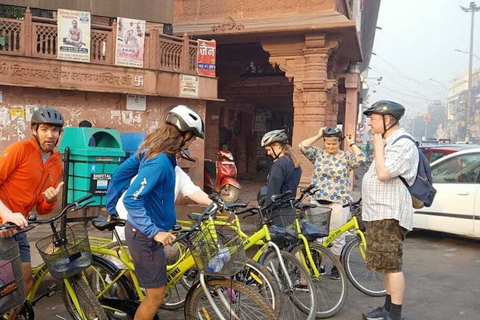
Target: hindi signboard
73	42
188	86
206	57
130	42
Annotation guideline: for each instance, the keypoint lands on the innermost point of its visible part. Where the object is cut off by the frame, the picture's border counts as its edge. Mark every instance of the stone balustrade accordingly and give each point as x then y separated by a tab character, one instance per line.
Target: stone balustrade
37	37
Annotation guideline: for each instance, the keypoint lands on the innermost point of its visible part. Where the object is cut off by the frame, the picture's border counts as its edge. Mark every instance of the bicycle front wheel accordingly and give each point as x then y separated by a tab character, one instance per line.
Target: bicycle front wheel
368	282
88	302
331	293
234	300
300	291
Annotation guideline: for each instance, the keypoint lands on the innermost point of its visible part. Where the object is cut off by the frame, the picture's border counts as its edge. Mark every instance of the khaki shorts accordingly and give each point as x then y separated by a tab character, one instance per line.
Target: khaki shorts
384	245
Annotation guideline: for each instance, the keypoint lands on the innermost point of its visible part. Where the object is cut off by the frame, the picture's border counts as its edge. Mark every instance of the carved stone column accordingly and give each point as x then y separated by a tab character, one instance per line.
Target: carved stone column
315	96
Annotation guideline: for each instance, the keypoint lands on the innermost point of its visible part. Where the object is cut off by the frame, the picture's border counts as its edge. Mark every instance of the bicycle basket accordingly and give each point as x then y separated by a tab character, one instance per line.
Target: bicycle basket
317	224
12	293
217	250
283	223
68	256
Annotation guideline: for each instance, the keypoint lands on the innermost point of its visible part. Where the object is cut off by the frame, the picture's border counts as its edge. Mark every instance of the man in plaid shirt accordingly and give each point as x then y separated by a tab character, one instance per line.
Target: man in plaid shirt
387	204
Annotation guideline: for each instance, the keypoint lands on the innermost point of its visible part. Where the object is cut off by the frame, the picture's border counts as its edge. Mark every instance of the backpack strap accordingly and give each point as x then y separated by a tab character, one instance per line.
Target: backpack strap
411	139
407	137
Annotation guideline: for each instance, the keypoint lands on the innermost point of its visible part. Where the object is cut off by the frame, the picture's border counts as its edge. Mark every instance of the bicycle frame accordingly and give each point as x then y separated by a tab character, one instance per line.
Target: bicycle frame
351	224
38	273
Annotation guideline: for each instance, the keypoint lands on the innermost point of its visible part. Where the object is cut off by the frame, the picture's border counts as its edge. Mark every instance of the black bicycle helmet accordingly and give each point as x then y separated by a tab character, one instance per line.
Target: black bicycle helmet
333	132
48	116
274	136
186	120
385	107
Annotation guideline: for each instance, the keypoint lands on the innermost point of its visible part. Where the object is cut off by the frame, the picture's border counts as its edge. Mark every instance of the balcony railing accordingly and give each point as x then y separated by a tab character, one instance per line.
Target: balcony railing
37	37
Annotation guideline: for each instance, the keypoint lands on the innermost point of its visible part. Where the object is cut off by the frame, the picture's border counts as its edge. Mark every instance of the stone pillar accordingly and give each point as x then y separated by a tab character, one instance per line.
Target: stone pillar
352	86
27	41
305	61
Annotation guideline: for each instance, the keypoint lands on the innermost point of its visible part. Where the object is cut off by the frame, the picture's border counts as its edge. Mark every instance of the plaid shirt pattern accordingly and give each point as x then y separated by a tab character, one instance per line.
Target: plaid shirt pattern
391	199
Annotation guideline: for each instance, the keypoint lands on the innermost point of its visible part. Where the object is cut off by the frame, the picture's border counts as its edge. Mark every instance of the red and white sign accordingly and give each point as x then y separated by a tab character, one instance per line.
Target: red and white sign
426	117
206	57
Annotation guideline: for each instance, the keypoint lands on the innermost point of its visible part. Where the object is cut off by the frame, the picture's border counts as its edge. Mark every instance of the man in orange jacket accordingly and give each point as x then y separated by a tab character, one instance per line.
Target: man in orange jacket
30	173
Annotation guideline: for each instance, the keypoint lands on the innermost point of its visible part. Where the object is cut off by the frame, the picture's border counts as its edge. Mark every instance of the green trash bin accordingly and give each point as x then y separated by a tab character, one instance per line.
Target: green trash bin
94	156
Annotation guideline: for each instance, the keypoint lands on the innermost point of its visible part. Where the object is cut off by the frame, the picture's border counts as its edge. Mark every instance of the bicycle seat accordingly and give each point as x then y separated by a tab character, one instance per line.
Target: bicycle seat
234	205
101	223
302	206
195	216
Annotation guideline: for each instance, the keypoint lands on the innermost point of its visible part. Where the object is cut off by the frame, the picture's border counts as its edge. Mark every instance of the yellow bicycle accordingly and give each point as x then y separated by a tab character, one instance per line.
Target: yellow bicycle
113	285
66	254
353	256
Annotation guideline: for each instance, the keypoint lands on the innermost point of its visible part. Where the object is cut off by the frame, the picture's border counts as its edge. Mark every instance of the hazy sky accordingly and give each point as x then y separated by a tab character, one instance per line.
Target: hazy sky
417	43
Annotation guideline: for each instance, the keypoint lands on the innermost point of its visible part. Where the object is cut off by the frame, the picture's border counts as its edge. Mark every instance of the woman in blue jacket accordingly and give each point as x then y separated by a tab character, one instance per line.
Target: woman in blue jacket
150	201
286	171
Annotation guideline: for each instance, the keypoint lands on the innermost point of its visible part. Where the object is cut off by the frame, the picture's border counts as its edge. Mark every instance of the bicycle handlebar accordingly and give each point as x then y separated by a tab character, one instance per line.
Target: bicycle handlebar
353	204
210	211
33	218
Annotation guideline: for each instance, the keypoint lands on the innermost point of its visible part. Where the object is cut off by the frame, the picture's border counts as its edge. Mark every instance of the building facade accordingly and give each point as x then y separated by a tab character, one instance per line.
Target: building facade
456	108
281	64
130	99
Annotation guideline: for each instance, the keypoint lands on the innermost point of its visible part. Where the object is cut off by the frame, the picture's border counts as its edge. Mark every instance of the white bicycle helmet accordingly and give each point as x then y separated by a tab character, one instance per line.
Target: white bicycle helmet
274	136
186	120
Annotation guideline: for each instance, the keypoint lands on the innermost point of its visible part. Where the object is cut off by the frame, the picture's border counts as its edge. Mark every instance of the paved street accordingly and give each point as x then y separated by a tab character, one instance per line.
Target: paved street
442	274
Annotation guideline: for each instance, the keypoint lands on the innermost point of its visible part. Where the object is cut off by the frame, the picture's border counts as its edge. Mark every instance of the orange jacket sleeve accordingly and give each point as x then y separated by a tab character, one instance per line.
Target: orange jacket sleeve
43	207
10	159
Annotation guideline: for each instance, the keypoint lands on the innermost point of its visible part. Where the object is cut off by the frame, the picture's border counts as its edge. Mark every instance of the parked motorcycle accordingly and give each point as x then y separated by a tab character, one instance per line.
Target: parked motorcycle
221	177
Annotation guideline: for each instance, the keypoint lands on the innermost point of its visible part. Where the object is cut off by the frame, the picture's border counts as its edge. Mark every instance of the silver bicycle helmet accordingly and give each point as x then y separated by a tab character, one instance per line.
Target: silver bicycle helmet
48	116
274	136
186	120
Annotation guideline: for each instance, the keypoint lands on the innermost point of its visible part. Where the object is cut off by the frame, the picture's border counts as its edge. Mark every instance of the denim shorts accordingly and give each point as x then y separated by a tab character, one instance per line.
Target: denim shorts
24	247
148	257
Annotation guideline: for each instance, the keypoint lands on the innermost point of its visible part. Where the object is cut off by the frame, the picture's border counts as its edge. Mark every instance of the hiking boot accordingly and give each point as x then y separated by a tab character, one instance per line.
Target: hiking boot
376	314
334	274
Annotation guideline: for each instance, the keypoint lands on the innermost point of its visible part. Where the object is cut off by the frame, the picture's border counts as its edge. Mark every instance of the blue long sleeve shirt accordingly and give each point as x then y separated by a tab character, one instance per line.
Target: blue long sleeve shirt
283	176
150	199
120	181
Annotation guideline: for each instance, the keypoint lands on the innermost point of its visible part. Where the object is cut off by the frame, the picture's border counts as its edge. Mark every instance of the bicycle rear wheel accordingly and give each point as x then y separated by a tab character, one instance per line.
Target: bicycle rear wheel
242	301
368	282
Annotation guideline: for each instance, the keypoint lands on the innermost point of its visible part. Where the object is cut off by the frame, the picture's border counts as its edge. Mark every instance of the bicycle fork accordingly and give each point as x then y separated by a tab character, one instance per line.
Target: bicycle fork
222	299
312	313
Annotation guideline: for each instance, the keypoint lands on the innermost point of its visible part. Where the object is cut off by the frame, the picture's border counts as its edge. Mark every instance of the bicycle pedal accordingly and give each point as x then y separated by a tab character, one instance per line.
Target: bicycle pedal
52	287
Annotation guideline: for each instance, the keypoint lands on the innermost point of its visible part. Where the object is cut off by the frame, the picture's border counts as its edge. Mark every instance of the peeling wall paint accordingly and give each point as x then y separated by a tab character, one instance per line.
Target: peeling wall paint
103	110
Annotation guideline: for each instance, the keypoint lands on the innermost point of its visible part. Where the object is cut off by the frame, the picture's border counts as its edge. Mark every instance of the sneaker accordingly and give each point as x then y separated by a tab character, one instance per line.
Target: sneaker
300	287
376	314
334	274
387	317
322	270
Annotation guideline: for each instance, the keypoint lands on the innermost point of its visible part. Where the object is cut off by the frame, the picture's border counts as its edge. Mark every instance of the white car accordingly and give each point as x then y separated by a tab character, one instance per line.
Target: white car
456	208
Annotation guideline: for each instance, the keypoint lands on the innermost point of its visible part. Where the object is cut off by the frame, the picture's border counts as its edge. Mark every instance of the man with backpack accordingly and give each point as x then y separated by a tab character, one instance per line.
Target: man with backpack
387	202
